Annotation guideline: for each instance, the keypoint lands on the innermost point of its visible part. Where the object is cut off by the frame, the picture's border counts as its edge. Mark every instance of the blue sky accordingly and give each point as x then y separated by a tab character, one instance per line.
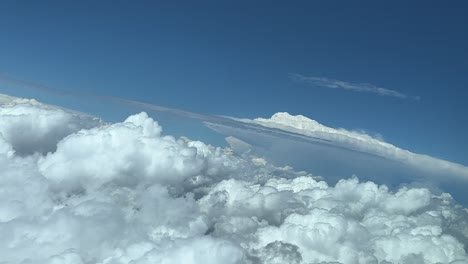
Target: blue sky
237	57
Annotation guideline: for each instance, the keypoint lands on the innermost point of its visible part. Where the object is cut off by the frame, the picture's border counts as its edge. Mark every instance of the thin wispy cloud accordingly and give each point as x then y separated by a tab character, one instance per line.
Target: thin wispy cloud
355	87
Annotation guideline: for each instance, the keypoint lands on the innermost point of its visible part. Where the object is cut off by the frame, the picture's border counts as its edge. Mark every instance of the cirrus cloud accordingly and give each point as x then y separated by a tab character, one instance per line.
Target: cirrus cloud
355	87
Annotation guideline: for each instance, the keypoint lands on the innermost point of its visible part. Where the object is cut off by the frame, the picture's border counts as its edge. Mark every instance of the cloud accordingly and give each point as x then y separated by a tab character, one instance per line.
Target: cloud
355	87
127	193
31	126
332	153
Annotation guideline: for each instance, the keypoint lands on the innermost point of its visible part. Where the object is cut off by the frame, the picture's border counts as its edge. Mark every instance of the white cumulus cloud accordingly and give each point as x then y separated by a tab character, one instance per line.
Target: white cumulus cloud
127	193
31	126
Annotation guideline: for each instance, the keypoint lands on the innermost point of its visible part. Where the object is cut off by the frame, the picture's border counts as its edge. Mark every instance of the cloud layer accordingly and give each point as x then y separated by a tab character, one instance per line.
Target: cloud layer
336	153
128	193
355	87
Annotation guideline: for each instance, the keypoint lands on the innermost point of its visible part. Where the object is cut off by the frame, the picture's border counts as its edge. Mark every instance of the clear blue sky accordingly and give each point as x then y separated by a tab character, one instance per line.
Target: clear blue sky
235	58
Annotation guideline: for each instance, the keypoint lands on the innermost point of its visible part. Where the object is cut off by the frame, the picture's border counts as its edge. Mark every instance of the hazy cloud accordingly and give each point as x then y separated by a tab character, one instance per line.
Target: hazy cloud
355	87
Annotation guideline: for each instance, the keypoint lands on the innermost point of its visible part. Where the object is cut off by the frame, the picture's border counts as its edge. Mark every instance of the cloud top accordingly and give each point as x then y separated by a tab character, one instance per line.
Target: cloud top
32	127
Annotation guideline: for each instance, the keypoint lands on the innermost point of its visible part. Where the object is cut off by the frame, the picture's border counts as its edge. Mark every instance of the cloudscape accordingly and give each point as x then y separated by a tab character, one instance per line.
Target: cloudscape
233	132
76	189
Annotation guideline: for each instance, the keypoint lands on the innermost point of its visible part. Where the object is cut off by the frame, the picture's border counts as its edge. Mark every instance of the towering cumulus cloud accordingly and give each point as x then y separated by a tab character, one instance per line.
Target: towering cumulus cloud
76	190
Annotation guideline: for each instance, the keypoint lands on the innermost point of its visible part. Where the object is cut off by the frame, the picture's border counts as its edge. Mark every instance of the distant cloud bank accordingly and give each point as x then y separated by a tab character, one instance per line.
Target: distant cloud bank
305	144
355	87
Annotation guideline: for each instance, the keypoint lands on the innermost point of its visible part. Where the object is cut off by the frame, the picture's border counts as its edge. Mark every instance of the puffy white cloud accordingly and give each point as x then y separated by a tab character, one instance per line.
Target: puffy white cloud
30	126
350	223
126	193
197	251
